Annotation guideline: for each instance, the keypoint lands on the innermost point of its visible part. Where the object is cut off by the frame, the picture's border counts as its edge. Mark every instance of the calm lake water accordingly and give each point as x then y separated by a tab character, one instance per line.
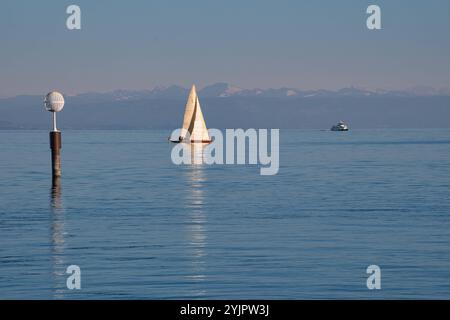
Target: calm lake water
140	227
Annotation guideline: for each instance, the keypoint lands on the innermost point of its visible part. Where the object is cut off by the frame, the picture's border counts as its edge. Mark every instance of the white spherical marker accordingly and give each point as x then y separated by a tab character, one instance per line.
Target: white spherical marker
54	102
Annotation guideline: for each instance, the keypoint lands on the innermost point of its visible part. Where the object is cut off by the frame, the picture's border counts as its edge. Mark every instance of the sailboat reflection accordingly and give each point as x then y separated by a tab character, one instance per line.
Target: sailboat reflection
197	239
58	242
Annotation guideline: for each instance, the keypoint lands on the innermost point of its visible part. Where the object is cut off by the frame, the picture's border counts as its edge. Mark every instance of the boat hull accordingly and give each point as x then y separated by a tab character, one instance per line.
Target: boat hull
194	141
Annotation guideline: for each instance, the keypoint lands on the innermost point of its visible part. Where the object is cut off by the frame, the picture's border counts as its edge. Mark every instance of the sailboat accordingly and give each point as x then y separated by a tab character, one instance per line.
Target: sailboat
193	122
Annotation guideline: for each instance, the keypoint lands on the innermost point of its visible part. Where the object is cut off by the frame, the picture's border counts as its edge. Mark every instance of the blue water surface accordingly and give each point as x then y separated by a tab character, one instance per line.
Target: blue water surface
140	227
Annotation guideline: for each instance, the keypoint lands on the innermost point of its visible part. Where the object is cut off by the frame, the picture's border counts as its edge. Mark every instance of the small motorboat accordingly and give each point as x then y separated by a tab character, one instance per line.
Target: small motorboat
341	126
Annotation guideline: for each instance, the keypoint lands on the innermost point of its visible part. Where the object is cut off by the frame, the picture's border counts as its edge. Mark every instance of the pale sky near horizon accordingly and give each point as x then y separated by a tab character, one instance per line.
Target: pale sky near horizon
252	44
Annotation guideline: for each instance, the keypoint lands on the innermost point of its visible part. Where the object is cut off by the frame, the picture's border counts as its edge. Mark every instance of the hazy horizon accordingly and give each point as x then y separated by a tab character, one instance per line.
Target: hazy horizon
438	90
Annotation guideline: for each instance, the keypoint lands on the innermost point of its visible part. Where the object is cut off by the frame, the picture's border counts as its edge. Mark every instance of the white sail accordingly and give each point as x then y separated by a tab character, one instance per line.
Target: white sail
188	112
193	121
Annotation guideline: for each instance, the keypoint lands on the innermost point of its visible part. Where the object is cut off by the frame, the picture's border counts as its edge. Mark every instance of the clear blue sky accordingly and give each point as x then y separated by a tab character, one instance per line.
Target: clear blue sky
303	44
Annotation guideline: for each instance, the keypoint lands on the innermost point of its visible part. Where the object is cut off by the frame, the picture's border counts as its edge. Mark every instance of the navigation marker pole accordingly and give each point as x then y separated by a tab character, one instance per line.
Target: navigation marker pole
54	102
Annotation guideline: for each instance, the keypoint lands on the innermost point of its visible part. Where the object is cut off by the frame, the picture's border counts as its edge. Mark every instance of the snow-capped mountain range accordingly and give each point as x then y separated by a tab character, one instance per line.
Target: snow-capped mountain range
225	90
227	106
